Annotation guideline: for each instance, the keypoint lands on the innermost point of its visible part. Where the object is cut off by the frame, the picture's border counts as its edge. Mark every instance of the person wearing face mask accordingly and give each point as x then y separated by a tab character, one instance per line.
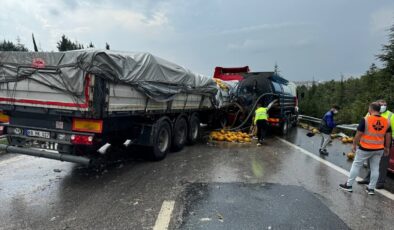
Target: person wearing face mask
326	126
384	161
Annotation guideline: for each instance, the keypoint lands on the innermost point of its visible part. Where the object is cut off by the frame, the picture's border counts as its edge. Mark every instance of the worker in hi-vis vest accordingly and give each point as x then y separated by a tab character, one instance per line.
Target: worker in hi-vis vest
372	140
261	121
384	161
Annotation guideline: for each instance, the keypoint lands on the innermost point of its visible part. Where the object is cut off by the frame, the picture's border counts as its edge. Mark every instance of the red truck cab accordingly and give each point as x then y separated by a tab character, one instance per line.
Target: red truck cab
230	74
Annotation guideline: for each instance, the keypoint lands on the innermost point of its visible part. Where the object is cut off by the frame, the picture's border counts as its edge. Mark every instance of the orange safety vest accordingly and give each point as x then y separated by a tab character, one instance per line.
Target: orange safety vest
375	131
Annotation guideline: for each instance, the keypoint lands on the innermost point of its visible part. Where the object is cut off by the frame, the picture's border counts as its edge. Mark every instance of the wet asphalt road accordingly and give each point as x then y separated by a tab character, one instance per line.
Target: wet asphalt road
214	186
336	152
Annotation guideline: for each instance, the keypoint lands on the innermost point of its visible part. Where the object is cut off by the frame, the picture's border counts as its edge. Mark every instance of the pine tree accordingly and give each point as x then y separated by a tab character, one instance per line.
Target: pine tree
10	46
66	44
387	57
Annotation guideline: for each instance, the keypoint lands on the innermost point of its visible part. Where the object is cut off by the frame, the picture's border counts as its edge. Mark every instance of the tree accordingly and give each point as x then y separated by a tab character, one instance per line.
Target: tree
107	46
387	57
66	44
10	46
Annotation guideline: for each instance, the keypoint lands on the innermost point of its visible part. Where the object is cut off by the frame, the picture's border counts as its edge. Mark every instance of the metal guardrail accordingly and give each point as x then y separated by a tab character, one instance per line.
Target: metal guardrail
351	127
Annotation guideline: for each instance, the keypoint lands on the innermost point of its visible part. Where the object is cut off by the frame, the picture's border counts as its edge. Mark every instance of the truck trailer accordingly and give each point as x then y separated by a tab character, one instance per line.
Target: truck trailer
81	104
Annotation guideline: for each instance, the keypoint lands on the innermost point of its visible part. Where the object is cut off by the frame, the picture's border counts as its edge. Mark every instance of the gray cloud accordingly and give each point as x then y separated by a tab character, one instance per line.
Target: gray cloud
307	38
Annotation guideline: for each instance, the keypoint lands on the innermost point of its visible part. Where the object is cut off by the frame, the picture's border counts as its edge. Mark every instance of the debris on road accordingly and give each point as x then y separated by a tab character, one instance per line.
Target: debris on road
350	155
220	217
230	136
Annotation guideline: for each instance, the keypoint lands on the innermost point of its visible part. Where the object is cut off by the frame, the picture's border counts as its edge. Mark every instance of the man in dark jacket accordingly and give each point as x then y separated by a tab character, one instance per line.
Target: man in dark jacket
326	127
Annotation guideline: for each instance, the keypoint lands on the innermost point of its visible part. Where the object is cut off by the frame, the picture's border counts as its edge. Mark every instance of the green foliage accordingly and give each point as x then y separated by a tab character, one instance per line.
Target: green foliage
66	44
352	95
387	57
10	46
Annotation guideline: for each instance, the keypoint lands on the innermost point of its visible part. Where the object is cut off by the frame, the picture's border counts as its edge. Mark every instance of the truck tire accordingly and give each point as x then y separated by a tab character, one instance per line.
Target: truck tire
285	127
161	141
194	130
180	134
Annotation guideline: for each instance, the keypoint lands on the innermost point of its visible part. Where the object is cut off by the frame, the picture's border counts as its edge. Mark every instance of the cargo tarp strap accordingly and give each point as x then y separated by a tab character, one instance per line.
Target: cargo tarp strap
169	105
187	97
202	101
146	104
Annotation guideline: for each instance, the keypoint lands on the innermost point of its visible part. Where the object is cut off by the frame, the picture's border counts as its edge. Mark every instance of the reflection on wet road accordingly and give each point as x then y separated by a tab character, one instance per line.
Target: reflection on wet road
214	186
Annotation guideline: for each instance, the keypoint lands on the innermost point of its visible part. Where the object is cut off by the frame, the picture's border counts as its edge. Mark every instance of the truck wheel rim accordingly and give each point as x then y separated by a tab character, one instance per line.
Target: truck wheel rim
285	127
181	133
163	140
194	130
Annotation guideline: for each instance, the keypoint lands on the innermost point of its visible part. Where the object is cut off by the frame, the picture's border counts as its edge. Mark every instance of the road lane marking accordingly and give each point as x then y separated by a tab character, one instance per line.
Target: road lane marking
333	166
164	217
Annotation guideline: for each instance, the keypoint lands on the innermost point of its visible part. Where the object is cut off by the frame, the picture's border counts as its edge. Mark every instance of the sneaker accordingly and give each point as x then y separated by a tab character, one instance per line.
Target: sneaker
258	144
363	182
346	187
370	191
323	152
254	138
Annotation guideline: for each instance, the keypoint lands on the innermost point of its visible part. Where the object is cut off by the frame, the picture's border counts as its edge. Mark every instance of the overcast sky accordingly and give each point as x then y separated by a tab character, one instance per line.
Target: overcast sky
307	38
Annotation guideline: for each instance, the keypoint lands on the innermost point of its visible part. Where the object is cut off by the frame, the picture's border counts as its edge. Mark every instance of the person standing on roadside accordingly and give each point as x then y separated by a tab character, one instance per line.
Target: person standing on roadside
384	161
261	121
327	125
373	139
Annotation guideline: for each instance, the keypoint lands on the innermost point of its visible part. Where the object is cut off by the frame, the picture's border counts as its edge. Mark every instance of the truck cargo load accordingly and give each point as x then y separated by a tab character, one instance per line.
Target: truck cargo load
83	103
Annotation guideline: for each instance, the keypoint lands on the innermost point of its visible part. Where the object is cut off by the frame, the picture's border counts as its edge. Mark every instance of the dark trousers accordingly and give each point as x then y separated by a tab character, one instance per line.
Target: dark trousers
261	129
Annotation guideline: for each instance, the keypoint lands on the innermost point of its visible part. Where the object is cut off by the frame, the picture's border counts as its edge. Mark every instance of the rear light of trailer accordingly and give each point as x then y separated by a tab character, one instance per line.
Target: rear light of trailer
4	118
81	140
87	125
273	120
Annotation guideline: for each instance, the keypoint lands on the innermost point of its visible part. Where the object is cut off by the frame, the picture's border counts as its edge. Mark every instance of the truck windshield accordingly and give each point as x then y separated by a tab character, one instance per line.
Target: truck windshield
277	87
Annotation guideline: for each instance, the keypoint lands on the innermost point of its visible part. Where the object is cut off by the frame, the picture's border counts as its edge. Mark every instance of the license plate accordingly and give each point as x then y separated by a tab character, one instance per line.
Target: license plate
36	133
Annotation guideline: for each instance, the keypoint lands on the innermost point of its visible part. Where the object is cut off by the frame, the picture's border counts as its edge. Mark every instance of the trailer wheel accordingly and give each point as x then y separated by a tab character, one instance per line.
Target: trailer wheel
180	134
162	141
194	130
285	127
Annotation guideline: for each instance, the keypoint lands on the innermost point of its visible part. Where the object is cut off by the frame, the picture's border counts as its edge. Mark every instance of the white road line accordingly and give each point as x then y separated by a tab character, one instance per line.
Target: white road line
11	160
333	166
164	217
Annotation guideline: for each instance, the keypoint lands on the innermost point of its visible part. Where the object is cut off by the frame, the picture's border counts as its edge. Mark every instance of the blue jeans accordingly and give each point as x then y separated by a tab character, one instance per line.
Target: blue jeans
374	159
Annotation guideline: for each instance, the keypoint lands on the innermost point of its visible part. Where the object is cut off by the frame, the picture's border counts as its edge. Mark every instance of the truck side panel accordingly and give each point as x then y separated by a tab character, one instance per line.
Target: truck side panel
28	92
127	98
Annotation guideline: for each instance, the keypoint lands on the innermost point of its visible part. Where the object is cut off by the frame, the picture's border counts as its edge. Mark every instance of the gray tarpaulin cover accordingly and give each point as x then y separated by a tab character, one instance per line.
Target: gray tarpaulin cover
157	78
